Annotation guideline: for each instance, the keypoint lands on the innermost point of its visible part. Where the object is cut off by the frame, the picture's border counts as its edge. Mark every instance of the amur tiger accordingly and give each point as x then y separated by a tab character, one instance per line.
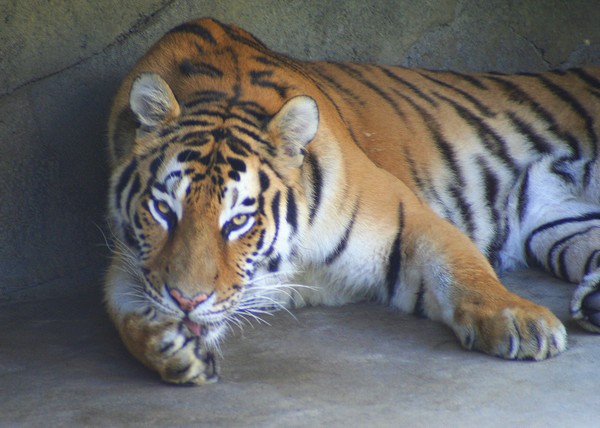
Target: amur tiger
245	181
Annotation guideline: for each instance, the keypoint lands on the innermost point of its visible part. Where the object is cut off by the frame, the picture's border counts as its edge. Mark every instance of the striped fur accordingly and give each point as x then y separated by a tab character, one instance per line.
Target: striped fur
238	172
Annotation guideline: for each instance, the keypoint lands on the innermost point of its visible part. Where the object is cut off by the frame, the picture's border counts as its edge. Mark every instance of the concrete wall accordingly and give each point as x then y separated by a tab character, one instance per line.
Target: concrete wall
61	60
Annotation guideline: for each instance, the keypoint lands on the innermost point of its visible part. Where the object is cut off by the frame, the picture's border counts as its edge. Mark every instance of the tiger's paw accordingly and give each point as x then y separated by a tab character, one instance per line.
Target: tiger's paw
170	349
521	331
585	304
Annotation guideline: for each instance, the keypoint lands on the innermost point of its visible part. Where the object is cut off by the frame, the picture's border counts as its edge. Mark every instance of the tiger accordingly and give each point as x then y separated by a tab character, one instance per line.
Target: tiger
244	181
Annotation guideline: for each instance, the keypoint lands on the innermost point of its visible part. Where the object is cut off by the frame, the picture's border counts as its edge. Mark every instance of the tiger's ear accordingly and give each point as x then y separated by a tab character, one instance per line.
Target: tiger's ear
293	127
152	101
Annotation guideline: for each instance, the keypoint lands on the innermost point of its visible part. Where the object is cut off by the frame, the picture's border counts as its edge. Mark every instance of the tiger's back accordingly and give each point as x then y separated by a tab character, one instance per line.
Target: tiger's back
237	169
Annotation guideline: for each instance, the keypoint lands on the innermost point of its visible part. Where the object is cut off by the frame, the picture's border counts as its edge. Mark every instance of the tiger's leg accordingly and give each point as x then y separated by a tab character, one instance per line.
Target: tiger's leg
164	345
561	232
445	277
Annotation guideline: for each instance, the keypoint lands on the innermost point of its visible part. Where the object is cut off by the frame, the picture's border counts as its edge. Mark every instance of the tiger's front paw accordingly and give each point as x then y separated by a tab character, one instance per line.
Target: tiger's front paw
170	349
585	304
519	330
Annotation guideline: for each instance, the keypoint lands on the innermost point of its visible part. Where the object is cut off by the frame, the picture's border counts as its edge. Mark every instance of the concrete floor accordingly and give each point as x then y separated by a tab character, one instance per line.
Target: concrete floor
61	364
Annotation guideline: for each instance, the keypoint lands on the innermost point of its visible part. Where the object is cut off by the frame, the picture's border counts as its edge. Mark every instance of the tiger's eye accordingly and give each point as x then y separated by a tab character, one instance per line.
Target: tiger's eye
239	220
163	207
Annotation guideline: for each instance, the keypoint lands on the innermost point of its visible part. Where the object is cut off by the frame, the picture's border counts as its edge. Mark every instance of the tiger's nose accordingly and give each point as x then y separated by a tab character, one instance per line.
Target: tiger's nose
185	303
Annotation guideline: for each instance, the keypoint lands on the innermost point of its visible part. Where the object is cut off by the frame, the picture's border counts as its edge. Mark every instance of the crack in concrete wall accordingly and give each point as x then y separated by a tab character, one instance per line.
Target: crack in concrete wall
539	50
41	39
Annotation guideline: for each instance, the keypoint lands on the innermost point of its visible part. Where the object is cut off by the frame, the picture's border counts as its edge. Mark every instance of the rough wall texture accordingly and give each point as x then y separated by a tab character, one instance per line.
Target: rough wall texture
61	60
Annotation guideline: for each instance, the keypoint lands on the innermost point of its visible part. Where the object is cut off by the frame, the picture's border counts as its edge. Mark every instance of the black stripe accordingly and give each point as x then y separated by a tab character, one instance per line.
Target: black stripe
470	79
205	160
168	130
351	70
264	180
445	149
492	141
341	246
136	220
594	93
464	207
275	213
539	143
560	222
342	116
562	167
572	101
556	223
189	68
188	156
254	109
130	238
195	178
390	74
261	240
416	177
123	180
317	184
423	181
394	263
519	96
592	262
492	186
523	199
238	146
583	75
206	96
347	93
291	215
256	138
562	266
195	139
561	272
476	103
196	29
242	38
246	121
419	308
574	104
160	186
195	122
260	78
154	165
237	164
133	190
266	61
203	111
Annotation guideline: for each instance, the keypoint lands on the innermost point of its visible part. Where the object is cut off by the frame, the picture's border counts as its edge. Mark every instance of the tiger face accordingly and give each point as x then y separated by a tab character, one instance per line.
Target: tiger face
207	202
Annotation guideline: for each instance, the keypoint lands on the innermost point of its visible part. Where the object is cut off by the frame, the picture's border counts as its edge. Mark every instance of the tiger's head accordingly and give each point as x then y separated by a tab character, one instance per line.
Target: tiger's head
207	200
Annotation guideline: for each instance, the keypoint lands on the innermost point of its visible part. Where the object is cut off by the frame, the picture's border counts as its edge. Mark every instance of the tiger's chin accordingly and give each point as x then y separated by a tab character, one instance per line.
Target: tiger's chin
210	335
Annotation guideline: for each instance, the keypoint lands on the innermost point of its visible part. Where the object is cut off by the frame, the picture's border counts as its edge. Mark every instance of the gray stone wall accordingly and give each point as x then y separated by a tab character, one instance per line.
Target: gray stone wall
61	61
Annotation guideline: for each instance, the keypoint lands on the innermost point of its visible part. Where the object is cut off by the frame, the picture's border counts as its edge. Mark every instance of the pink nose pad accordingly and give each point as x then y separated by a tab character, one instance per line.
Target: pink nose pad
186	303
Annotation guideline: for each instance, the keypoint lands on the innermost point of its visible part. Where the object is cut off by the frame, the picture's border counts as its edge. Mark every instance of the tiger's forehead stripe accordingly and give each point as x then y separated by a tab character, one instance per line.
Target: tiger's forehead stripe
195	29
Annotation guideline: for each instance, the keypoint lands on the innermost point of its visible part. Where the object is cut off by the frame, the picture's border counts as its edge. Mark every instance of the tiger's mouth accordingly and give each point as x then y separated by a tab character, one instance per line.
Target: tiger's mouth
195	328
